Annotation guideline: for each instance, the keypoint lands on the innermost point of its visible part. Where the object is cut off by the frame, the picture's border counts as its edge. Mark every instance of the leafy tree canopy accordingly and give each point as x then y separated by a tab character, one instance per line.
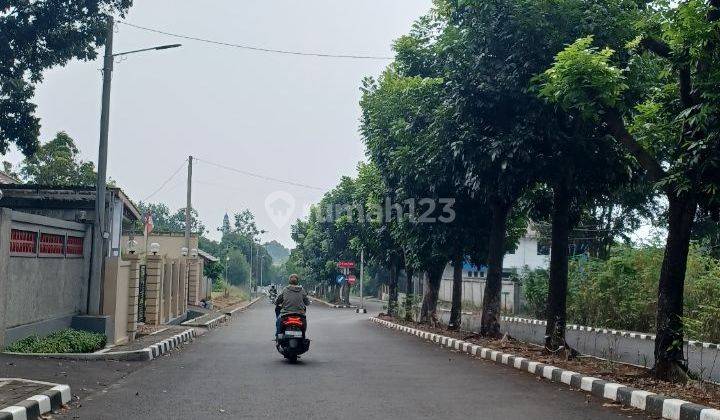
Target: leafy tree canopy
36	36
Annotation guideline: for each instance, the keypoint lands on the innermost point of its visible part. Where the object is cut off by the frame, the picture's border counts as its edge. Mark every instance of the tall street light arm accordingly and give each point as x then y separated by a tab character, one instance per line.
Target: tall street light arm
161	47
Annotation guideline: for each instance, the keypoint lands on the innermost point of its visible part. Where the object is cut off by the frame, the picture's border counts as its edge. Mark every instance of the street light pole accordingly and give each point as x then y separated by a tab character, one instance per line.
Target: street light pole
100	236
262	257
99	241
362	309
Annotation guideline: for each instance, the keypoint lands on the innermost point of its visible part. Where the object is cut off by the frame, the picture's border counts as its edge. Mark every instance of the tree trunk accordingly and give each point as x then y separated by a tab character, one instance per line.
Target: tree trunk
456	309
556	311
490	322
409	294
393	290
430	298
346	293
669	357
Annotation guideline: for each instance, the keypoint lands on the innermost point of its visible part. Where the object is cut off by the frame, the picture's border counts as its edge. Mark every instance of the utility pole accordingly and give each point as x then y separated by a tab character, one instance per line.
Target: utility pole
100	236
362	309
252	249
261	267
188	206
99	245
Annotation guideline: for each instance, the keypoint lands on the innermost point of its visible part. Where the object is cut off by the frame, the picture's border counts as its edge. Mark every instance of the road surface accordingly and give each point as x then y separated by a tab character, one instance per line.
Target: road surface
354	370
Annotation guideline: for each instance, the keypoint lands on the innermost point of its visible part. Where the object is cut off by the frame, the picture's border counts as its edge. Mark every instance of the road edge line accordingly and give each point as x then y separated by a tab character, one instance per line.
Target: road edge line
653	404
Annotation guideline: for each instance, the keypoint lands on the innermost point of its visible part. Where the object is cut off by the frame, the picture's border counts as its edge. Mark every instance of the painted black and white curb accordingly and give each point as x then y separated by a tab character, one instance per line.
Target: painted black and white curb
332	305
37	405
158	349
621	333
653	404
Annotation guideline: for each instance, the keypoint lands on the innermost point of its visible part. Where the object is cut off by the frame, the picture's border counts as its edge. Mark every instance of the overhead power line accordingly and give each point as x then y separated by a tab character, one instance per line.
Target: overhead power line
167	181
259	49
259	176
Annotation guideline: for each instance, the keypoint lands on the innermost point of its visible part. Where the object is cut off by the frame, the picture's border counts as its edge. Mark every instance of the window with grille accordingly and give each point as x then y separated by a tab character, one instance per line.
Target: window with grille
51	244
23	242
75	245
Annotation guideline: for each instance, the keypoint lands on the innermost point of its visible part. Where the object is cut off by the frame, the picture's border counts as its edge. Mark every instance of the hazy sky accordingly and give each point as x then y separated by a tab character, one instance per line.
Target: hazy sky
287	117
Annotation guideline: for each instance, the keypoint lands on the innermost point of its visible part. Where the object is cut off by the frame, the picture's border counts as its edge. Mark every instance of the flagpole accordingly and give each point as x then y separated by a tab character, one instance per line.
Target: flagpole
147	234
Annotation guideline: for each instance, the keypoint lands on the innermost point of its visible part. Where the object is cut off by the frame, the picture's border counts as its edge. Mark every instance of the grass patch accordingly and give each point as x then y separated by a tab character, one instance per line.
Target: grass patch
64	341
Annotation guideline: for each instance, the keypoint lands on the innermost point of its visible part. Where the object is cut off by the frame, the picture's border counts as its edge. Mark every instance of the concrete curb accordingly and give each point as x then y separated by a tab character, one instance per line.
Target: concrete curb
142	355
653	404
332	305
621	333
158	349
37	405
242	308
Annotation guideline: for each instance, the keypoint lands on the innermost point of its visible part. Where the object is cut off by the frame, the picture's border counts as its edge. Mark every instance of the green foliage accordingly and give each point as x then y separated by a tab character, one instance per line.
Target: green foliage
58	163
36	36
621	292
277	251
535	287
165	221
64	341
218	284
238	270
583	79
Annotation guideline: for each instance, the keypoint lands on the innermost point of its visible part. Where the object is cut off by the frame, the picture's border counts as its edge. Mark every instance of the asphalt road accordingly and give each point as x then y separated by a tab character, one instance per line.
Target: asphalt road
354	369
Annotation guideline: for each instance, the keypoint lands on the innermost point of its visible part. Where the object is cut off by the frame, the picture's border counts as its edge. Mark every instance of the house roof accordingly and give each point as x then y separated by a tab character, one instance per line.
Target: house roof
208	256
5	178
62	196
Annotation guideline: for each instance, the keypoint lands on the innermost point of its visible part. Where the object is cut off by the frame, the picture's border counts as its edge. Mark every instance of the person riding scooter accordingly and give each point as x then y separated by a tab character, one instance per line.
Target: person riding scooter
272	293
292	300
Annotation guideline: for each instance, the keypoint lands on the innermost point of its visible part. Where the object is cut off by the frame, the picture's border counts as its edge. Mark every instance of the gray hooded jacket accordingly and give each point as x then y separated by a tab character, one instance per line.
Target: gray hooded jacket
292	300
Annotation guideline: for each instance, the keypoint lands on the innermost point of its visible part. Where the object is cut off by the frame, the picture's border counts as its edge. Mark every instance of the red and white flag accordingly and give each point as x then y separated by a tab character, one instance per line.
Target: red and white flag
149	225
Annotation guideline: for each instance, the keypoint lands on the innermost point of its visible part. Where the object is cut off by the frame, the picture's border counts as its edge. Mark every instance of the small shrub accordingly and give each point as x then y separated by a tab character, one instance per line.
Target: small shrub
535	286
64	341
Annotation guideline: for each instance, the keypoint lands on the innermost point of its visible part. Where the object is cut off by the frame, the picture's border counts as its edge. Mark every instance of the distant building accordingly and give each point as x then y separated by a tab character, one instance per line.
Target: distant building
531	253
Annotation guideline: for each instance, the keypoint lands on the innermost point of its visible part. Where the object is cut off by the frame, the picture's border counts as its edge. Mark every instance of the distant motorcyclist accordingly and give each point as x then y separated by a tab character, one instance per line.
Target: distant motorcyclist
272	293
292	300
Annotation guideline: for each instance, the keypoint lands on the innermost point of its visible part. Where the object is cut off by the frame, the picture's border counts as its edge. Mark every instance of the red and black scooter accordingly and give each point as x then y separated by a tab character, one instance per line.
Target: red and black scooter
291	341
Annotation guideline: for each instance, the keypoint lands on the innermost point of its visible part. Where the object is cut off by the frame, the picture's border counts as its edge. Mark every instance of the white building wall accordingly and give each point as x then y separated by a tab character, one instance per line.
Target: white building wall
526	254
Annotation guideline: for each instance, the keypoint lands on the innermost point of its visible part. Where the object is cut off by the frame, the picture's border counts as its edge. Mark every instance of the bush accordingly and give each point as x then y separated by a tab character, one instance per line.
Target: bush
621	292
535	287
218	285
64	341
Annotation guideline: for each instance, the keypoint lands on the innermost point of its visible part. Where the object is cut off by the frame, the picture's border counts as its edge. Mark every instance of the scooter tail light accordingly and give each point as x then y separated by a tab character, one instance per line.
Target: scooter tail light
294	321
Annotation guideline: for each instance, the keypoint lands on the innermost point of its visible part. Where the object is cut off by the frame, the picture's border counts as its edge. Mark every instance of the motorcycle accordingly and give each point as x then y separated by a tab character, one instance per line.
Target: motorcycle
291	341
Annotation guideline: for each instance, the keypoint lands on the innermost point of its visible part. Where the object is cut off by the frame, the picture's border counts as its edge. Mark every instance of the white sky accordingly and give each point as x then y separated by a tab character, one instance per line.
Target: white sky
287	117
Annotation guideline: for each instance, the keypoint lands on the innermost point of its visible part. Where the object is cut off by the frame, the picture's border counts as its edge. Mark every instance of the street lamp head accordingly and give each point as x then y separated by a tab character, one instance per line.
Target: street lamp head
184	251
166	47
155	248
132	245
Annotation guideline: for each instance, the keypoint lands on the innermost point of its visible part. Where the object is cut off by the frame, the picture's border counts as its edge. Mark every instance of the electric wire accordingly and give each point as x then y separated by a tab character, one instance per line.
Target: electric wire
167	181
259	176
258	49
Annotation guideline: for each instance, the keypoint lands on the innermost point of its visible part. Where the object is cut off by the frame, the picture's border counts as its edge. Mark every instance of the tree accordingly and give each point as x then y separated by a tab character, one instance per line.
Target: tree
58	163
277	251
165	221
36	36
245	224
660	104
238	269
